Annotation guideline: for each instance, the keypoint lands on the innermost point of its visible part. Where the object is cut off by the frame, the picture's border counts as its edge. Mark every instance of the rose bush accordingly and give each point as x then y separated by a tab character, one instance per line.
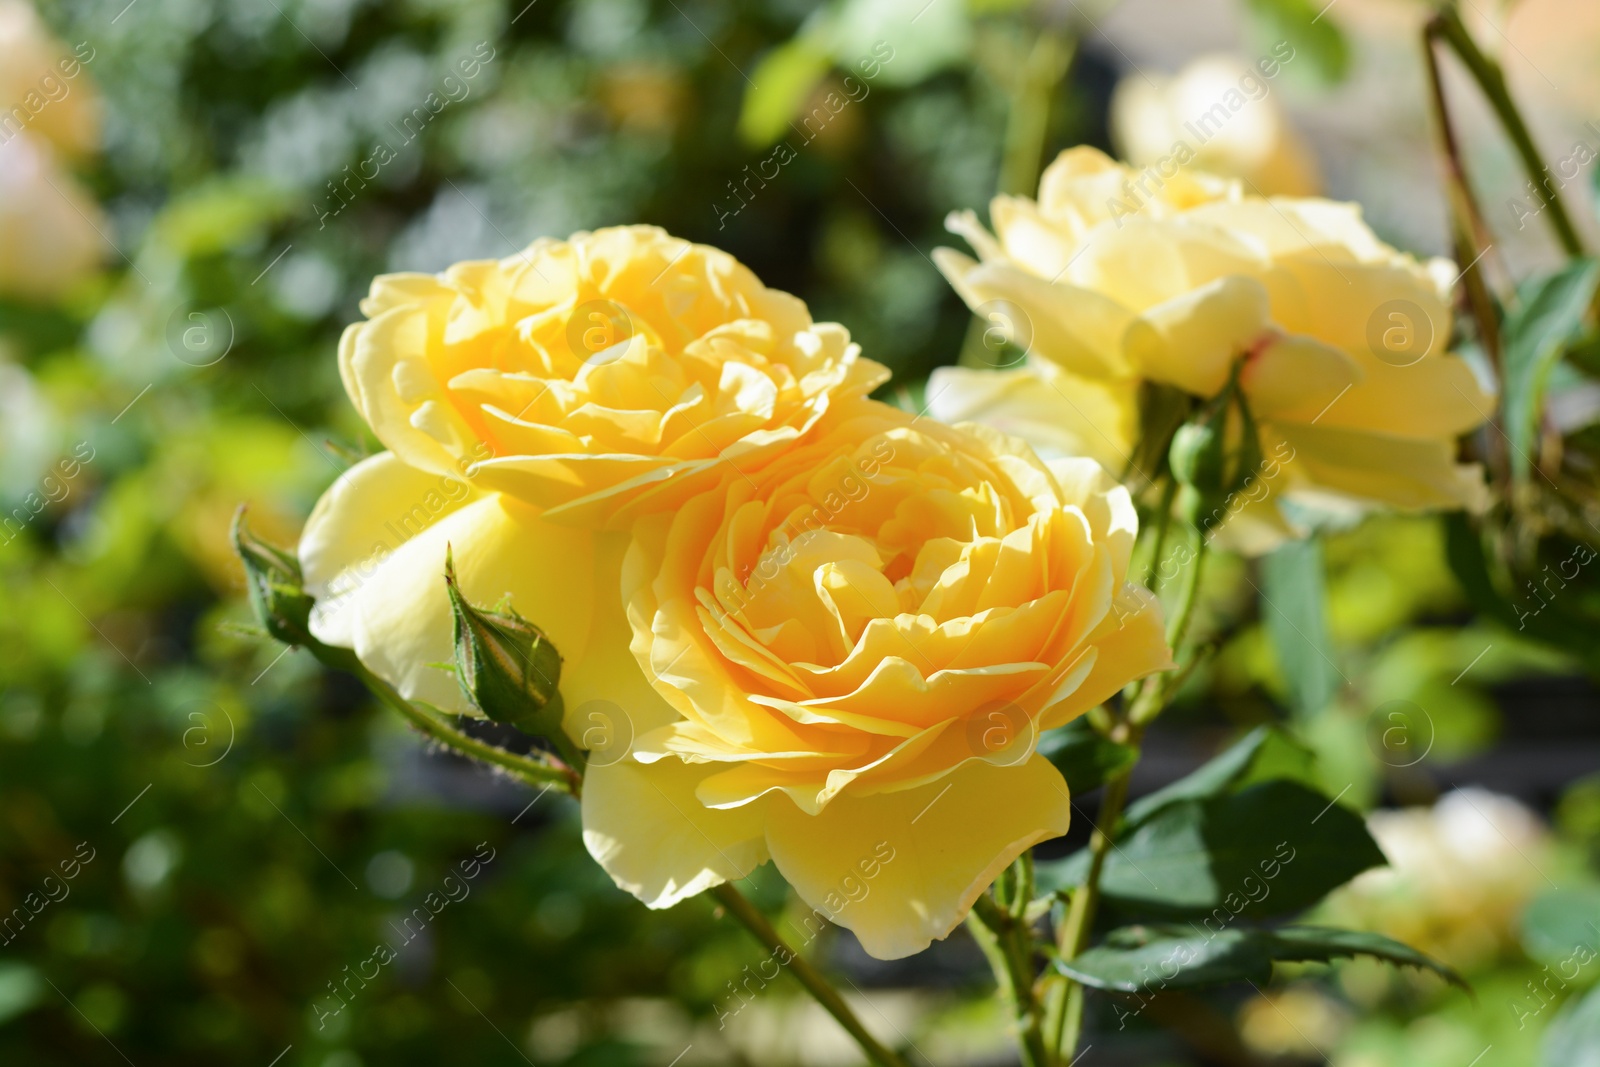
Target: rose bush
1173	277
858	645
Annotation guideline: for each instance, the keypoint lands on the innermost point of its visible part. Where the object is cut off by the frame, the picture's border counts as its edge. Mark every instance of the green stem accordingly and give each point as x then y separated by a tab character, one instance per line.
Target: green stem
529	768
1027	127
1066	1022
1152	574
1065	1025
1487	73
1029	122
1011	956
1178	628
739	907
1470	234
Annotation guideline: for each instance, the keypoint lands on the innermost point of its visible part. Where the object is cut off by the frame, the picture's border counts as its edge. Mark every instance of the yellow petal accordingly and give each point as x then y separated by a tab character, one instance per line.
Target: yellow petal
901	869
1076	328
386	597
1059	414
1404	473
644	825
1297	378
1191	340
385	366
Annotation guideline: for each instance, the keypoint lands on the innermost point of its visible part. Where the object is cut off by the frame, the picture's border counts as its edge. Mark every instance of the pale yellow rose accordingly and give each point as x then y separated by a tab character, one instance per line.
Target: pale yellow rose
50	228
1219	114
43	85
858	645
1343	339
598	378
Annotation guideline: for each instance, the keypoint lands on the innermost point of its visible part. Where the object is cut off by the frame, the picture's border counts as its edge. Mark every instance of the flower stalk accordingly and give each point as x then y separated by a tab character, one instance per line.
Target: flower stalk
739	906
1447	26
1064	1026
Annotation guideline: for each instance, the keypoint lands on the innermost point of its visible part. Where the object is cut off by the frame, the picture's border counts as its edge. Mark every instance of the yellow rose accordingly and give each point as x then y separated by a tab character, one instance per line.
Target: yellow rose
597	378
1173	276
858	646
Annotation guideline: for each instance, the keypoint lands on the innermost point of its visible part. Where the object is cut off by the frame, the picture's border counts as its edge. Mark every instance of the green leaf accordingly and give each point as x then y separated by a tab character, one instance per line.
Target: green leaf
1271	849
1294	609
1321	944
1549	318
1138	959
1573	1039
1305	27
1211	779
897	42
1084	758
1559	923
781	83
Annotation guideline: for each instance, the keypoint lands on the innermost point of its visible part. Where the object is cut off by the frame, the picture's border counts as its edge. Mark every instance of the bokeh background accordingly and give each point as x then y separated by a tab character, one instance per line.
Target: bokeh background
206	835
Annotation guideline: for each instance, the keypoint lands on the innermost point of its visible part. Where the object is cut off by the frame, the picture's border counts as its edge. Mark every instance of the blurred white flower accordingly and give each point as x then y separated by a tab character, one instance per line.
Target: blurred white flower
1223	111
50	228
1459	874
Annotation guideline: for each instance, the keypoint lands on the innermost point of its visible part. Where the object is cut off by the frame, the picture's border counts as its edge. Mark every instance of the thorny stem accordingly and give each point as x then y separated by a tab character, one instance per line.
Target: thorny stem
530	769
1491	79
740	908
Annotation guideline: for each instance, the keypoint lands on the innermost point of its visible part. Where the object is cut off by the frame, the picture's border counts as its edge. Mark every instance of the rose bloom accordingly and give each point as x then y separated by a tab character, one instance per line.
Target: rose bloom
581	381
1171	276
857	647
596	378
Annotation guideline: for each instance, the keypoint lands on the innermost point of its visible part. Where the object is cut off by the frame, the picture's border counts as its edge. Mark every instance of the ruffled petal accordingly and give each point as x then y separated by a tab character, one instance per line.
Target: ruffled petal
644	825
901	869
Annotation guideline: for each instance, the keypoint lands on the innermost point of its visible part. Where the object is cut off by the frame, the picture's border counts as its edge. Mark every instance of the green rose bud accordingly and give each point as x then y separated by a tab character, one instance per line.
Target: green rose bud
1213	455
276	587
507	667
